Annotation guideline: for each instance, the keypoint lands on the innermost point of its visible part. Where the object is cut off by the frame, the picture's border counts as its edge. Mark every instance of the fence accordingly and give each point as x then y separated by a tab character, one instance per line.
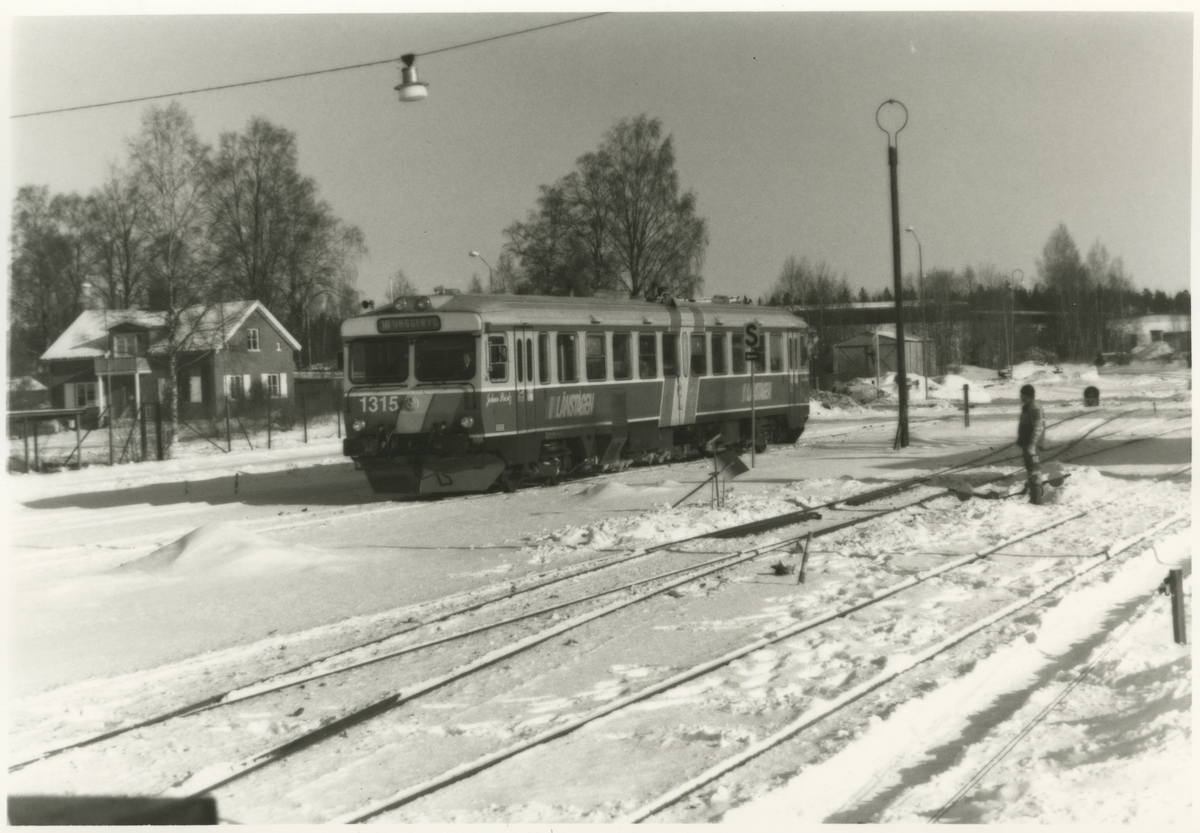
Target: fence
51	443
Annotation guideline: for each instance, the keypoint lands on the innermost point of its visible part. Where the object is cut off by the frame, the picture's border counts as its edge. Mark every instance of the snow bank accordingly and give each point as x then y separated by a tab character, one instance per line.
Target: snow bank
223	549
900	750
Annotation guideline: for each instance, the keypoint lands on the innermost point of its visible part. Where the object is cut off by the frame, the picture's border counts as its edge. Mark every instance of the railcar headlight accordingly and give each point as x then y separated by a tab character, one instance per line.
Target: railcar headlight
467	421
399	304
358	425
421	304
411	403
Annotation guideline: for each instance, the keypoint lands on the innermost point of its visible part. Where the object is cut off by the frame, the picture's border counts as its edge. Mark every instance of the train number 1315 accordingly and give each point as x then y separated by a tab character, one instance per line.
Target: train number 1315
377	404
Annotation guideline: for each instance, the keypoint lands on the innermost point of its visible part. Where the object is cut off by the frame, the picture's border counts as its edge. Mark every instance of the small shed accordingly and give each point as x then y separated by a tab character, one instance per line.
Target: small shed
855	357
26	393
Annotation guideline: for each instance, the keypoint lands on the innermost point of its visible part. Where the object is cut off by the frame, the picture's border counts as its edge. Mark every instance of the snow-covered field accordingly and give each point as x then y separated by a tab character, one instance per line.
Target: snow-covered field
128	583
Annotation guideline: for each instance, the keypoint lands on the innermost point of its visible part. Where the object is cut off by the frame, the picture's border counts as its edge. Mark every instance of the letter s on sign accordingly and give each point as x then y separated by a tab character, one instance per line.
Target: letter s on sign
751	338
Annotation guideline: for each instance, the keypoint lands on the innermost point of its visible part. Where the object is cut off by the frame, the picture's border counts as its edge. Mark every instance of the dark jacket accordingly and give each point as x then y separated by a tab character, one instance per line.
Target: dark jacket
1032	427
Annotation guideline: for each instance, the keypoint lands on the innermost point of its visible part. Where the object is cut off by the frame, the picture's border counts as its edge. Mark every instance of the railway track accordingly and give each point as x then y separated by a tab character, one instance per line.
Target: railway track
657	585
510	595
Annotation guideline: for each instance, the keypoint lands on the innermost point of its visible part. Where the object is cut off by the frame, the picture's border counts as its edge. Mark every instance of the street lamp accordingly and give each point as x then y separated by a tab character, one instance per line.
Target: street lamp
921	301
896	120
409	88
488	265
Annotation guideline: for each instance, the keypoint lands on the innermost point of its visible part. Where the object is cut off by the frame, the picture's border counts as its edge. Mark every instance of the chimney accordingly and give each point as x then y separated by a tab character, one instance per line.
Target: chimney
90	297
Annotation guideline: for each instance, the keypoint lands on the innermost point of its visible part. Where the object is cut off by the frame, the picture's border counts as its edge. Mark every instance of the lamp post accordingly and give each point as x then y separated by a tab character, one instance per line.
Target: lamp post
488	265
921	301
1012	316
897	119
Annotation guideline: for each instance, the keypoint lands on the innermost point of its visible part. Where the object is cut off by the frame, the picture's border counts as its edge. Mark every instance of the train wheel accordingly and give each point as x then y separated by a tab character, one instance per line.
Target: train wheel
510	480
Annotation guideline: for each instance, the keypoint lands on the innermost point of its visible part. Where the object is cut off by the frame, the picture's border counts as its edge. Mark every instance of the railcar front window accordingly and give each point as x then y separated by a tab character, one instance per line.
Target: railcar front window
445	358
379	361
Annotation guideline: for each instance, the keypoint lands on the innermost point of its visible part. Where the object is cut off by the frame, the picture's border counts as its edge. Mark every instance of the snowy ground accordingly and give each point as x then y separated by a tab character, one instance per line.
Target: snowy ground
130	580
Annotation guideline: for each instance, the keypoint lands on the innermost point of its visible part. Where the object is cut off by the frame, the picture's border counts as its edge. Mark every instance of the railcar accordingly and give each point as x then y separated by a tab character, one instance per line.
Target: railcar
464	393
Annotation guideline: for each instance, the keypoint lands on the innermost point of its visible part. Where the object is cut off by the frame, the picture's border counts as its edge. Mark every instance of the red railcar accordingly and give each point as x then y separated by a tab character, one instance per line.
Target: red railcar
460	393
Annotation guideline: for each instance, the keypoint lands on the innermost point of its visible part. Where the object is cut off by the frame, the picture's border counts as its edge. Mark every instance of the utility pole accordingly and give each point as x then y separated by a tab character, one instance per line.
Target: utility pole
898	119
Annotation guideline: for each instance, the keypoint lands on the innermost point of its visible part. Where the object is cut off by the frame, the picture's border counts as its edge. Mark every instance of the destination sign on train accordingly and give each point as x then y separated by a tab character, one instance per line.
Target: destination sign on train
408	325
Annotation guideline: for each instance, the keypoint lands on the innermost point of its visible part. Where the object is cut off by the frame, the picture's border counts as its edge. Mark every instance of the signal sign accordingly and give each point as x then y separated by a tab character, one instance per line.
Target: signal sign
751	339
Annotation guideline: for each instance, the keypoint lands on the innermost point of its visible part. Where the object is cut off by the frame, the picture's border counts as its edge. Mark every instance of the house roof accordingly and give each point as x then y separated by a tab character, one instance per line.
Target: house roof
204	327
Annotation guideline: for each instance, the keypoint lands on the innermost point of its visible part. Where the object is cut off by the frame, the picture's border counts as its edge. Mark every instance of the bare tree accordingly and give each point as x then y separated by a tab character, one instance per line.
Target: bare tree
119	242
171	166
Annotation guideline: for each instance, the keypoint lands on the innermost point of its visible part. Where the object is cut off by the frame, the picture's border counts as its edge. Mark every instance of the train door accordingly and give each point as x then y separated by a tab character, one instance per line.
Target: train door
525	361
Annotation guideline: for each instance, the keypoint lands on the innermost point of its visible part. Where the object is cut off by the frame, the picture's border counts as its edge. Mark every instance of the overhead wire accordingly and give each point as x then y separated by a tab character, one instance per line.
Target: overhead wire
303	74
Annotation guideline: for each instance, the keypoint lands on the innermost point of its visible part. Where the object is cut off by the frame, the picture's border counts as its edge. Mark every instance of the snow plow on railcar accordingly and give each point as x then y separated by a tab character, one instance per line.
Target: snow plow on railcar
463	393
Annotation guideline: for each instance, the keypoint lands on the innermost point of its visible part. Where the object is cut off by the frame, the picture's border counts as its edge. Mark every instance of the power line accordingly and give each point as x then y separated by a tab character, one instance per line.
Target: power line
303	74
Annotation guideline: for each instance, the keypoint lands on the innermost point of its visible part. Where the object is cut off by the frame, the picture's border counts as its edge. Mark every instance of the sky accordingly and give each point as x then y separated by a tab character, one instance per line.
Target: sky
1017	121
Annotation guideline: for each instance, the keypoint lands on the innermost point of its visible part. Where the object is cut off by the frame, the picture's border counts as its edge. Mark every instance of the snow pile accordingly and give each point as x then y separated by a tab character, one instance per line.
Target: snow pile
950	387
1153	350
223	549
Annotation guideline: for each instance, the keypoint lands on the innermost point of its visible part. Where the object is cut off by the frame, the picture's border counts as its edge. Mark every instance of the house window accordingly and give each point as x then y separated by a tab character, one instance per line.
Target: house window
278	347
271	384
124	344
85	394
195	389
252	339
235	387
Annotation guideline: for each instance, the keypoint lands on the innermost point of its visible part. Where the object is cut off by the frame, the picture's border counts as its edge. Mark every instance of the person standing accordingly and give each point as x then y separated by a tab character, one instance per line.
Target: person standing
1031	430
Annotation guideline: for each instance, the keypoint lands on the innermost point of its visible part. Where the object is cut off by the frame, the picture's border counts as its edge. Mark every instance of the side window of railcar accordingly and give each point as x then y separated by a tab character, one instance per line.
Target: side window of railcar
739	354
718	354
647	356
596	369
622	356
803	351
793	342
497	358
568	371
520	359
699	363
544	358
760	364
776	340
670	343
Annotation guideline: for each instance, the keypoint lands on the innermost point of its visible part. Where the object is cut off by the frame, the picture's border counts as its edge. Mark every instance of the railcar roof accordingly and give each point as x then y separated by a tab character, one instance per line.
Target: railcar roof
545	310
